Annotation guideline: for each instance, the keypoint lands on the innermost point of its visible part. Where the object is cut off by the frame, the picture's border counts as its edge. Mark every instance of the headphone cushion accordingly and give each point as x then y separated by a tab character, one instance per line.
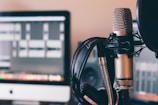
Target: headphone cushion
92	95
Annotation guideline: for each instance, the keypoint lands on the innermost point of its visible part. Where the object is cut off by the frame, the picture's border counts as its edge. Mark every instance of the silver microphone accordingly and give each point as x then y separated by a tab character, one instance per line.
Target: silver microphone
122	26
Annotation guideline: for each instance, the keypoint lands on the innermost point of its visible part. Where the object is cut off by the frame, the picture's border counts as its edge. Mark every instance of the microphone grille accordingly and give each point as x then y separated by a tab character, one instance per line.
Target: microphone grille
122	20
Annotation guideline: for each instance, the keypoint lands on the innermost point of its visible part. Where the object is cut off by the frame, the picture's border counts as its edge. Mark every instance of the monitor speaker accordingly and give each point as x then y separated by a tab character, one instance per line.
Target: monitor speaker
92	73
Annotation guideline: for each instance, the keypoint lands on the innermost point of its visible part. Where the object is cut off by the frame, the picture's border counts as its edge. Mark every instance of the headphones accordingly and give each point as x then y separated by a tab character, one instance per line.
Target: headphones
85	93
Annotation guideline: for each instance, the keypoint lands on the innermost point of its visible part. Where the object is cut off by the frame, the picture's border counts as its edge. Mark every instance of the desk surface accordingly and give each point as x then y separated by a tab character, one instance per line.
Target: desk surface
74	102
133	102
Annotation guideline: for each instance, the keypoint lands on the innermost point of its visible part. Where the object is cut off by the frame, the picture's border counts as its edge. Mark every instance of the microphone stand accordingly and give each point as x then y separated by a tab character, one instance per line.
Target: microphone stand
124	97
120	45
110	49
105	71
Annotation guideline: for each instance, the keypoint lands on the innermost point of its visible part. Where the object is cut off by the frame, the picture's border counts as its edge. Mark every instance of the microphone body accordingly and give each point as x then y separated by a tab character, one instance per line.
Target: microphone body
124	70
122	27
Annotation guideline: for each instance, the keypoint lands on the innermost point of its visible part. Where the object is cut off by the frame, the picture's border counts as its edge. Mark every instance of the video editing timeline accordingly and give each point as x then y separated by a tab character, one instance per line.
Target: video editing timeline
32	48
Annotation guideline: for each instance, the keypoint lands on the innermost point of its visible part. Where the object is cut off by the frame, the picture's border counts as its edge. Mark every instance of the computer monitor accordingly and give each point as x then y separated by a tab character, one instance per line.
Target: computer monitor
35	56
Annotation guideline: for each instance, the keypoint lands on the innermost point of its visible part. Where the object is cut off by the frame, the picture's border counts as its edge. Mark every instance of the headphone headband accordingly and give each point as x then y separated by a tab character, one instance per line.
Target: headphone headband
79	61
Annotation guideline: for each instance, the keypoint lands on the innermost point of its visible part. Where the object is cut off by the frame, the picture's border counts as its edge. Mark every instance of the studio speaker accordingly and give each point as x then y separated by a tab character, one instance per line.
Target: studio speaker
92	73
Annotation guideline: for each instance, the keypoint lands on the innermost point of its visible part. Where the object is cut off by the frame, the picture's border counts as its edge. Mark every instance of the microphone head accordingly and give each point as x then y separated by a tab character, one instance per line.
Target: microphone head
122	20
147	18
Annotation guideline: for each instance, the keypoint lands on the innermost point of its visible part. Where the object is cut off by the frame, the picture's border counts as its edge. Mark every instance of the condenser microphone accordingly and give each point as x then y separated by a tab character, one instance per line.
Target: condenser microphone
122	27
147	18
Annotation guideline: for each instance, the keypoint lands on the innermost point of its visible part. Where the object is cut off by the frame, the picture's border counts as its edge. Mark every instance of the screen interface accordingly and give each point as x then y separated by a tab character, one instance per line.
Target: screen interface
32	49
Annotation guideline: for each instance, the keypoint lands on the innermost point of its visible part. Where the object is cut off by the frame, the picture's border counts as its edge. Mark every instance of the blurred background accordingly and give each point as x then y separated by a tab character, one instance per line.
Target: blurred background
88	18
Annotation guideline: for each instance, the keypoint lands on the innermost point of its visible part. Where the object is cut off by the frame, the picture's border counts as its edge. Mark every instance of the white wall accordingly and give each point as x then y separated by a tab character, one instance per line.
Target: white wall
88	17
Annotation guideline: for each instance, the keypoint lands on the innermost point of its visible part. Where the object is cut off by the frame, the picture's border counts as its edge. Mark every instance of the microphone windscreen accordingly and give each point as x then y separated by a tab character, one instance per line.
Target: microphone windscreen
122	20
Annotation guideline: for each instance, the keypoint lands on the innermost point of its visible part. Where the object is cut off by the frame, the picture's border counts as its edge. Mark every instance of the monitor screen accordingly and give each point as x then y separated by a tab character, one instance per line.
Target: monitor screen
35	53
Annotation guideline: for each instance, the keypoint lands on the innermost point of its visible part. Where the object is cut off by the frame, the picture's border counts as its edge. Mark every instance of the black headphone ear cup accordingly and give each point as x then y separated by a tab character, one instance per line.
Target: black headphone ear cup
92	74
103	94
92	95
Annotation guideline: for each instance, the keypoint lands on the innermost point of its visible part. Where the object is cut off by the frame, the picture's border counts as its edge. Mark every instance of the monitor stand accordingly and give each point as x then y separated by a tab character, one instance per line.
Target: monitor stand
17	102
